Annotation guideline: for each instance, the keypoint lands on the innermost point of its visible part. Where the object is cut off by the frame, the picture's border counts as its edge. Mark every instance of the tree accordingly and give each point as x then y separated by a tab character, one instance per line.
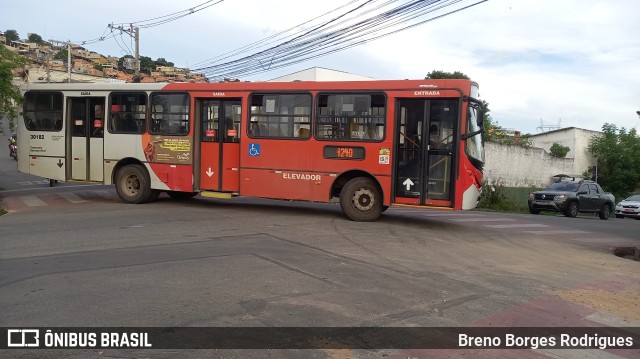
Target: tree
35	38
616	153
11	35
162	62
62	55
558	150
10	96
147	64
436	74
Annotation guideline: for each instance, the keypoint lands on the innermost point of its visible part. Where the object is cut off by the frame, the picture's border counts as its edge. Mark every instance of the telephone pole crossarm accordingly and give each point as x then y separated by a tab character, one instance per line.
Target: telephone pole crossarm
134	32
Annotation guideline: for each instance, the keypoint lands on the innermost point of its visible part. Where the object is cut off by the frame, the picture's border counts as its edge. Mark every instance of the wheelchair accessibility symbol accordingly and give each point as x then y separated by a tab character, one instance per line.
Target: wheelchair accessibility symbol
254	149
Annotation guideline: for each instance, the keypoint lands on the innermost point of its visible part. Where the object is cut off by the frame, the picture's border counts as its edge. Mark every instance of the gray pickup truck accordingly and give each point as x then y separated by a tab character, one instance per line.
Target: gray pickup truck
571	198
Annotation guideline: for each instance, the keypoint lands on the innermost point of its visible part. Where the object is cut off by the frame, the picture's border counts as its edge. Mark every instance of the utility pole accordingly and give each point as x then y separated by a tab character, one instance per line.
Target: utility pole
68	43
134	32
69	59
137	50
48	67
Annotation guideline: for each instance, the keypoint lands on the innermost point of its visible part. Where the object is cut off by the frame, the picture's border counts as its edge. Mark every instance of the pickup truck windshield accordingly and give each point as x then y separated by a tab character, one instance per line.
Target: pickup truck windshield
563	186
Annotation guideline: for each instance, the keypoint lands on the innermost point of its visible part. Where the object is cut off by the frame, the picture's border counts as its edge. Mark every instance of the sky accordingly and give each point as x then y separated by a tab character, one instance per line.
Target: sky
537	62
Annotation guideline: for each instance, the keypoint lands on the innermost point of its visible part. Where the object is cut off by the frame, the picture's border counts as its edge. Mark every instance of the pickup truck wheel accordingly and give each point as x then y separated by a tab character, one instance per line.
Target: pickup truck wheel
534	211
605	212
572	209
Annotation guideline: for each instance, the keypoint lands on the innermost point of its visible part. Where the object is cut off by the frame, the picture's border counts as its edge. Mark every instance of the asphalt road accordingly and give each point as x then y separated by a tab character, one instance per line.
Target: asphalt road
88	260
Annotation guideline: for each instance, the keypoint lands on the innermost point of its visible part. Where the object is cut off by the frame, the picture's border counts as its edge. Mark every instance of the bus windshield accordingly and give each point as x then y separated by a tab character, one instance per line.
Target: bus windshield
474	145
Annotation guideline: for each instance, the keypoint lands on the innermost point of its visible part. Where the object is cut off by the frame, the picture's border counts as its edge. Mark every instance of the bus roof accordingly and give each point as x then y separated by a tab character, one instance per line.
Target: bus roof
424	84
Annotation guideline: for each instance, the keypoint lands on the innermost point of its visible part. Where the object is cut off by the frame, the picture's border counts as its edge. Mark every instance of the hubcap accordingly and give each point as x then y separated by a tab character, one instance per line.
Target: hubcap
363	199
132	184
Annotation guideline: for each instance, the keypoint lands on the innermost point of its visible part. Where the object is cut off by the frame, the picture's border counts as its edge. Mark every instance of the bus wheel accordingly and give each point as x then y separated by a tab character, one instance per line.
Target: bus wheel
360	200
181	196
133	184
154	195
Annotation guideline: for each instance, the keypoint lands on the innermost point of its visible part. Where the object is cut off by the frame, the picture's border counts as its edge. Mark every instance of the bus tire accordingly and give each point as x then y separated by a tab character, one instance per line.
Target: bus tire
133	184
181	196
361	200
154	195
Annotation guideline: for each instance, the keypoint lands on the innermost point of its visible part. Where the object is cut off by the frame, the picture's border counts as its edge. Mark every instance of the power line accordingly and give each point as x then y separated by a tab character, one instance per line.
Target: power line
160	20
270	39
142	24
347	30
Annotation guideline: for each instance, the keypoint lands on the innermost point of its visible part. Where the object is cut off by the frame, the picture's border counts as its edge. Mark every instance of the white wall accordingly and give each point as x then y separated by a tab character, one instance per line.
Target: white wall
515	166
576	139
583	157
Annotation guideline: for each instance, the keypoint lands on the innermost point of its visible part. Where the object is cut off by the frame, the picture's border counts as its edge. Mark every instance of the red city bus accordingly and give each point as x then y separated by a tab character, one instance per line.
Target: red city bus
365	144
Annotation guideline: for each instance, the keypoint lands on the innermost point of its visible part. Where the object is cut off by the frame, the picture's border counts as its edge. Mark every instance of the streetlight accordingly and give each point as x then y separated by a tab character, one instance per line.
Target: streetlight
638	113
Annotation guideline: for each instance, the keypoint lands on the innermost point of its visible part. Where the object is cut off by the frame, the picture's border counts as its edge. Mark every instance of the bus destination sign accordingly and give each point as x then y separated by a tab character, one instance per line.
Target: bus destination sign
343	152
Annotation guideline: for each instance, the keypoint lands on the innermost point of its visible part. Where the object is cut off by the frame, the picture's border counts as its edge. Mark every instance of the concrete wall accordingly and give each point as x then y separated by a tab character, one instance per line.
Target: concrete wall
576	139
515	166
583	157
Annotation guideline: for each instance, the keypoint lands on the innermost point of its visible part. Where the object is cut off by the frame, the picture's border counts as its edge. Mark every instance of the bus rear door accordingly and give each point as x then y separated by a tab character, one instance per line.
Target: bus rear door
220	144
85	116
425	133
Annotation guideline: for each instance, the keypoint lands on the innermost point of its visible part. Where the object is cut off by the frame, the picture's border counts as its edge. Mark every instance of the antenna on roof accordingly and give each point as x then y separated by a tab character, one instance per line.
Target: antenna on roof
544	128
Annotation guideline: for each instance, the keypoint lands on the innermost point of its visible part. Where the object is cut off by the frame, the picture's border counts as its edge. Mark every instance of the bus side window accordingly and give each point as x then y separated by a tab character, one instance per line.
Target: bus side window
169	114
128	112
351	117
281	116
43	111
58	123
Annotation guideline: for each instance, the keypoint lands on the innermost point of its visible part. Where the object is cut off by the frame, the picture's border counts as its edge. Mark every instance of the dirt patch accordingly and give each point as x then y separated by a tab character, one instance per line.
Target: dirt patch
623	303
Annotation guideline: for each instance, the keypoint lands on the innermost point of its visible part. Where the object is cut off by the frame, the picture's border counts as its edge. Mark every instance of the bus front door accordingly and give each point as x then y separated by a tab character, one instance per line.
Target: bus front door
220	144
85	119
425	133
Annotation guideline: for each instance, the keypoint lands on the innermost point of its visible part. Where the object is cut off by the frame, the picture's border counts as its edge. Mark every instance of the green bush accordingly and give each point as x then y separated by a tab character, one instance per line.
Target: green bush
558	150
493	197
498	197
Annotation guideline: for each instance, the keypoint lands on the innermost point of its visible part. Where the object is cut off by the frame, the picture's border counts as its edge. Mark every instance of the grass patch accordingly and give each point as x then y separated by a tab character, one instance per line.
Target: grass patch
496	197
